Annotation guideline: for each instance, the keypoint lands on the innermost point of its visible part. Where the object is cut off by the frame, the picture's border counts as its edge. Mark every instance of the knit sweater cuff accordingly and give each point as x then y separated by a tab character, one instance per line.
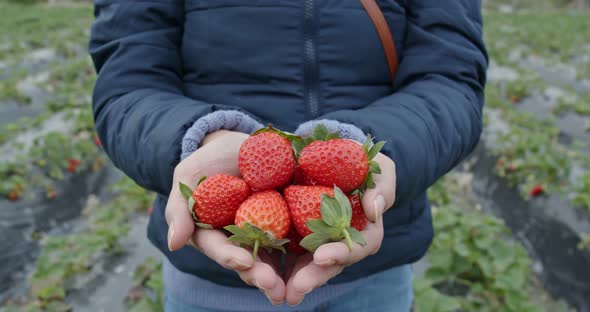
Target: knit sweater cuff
346	131
219	120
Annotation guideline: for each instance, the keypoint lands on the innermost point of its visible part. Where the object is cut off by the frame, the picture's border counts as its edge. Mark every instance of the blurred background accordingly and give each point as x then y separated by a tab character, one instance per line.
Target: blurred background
512	221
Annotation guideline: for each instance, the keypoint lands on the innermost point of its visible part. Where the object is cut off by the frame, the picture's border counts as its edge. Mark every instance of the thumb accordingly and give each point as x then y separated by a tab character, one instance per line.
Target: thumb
180	223
373	204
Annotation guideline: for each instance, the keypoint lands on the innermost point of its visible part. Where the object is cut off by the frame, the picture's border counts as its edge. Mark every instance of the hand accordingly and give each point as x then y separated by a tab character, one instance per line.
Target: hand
218	154
312	271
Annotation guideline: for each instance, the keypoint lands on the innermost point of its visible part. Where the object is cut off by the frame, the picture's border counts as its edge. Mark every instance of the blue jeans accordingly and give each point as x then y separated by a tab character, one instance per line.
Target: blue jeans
389	291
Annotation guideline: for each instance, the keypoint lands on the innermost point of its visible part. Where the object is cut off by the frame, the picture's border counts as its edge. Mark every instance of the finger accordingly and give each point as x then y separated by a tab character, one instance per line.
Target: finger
338	253
214	244
180	223
308	278
265	275
261	275
377	200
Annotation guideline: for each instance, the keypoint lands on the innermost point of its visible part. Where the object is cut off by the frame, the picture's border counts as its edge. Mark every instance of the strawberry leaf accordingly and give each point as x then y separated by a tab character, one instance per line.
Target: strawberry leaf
343	205
312	241
289	136
298	145
319	226
249	235
374	167
320	132
356	236
203	178
367	144
332	136
234	229
185	190
204	225
191	210
330	210
375	149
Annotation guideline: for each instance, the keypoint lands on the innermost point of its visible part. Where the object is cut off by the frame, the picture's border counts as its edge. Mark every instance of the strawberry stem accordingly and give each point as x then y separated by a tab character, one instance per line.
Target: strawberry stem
347	238
255	251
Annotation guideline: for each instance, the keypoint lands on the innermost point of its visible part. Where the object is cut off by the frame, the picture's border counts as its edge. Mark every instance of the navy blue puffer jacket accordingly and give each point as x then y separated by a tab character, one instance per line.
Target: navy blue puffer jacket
163	64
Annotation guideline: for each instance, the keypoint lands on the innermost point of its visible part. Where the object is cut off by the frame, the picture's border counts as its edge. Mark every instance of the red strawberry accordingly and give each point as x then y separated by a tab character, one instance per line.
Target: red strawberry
13	196
216	199
304	204
537	190
359	218
266	159
321	214
97	141
340	162
300	178
73	164
262	221
294	240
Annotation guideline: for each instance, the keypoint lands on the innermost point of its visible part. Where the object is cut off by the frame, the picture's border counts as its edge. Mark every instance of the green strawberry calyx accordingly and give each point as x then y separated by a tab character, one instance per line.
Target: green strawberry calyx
187	193
248	235
371	150
334	225
320	133
289	136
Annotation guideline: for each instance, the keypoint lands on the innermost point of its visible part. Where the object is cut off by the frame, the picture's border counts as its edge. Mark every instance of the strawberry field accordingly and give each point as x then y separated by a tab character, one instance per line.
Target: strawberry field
512	221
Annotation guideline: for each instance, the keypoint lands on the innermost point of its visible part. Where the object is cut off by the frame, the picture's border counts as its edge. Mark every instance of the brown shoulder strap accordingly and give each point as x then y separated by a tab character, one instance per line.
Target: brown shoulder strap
384	33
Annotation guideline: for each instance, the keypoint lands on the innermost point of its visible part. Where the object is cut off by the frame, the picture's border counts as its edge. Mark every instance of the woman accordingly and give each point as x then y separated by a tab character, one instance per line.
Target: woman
192	78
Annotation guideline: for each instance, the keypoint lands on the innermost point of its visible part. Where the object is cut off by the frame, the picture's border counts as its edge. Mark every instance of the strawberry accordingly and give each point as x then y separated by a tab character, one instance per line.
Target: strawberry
536	190
262	221
300	178
266	159
341	162
215	200
321	214
359	218
73	164
294	240
304	204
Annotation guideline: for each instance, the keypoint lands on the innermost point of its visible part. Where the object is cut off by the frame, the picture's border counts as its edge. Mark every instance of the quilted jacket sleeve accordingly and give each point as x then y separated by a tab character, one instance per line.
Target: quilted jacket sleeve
140	111
434	118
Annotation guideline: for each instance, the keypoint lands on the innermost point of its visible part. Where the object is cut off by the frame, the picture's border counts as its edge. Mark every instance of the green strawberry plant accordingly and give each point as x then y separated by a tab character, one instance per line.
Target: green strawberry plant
148	287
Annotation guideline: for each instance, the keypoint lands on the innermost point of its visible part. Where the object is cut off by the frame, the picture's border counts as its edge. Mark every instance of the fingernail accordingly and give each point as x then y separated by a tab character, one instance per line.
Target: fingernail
327	262
305	292
379	204
299	302
258	285
239	265
274	303
170	235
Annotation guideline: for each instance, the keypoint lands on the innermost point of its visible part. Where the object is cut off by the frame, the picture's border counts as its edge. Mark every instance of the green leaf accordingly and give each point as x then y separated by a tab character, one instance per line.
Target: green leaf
320	132
367	144
345	209
356	236
319	226
330	210
375	149
241	240
203	178
298	146
191	205
312	241
204	225
370	183
185	190
234	229
374	167
461	249
333	136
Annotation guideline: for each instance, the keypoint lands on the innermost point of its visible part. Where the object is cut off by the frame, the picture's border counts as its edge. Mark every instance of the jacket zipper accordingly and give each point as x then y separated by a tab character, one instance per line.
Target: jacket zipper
310	58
